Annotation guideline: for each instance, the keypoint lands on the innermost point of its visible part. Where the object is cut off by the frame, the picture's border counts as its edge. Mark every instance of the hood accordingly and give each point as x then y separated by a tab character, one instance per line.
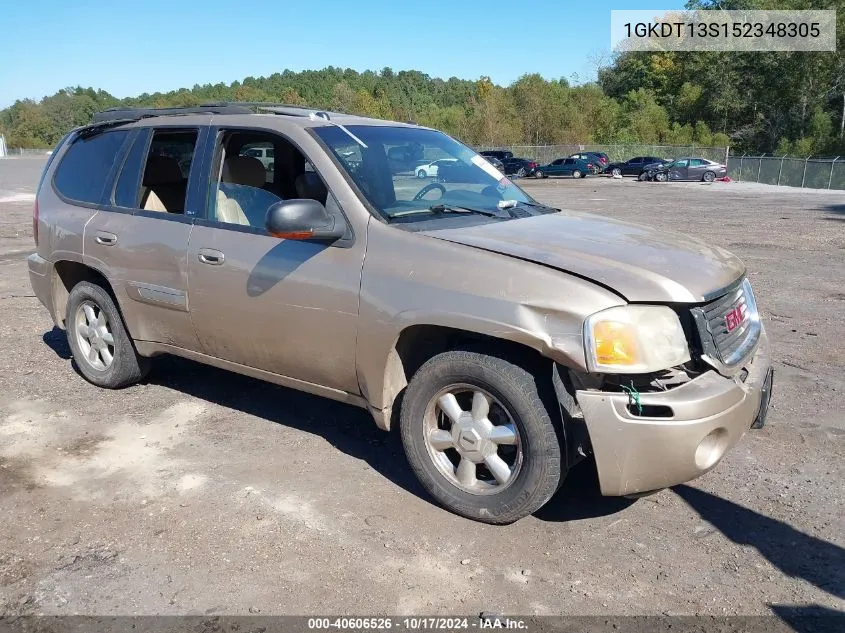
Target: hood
639	263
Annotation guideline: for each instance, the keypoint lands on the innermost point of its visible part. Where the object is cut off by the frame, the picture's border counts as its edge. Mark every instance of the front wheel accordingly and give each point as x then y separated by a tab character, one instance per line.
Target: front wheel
101	346
709	176
521	172
642	177
479	438
539	174
661	177
616	172
421	174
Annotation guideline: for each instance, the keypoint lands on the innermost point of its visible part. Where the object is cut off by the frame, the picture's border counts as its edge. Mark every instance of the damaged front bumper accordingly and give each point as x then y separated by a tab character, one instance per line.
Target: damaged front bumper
691	428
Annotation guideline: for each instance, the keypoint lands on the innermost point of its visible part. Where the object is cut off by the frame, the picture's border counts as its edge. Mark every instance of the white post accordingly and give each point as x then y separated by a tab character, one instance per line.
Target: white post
830	180
780	171
760	168
804	175
2	146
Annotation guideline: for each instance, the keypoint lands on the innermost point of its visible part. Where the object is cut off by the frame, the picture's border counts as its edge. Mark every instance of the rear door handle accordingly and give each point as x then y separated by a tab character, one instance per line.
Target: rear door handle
211	256
106	239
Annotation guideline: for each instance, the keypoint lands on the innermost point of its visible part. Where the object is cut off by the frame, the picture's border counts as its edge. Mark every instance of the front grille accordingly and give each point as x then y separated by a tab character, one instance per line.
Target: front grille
729	326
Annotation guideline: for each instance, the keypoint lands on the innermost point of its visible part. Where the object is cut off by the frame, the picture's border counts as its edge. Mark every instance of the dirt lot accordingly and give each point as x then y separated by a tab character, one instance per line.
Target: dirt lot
205	492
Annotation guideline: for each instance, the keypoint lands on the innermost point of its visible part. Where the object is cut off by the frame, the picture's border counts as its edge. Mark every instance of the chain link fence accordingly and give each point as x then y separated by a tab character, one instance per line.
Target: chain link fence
547	153
818	172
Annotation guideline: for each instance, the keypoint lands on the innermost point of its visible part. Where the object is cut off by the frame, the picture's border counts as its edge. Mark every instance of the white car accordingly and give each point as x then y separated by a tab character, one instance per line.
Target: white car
429	170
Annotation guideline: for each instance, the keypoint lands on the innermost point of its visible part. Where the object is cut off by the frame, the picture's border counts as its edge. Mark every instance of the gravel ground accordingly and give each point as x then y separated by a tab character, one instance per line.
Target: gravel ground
205	492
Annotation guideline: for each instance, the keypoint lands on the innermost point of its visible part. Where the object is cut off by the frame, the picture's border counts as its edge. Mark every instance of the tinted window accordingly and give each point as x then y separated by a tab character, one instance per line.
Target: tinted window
569	161
697	161
127	188
85	167
559	161
636	160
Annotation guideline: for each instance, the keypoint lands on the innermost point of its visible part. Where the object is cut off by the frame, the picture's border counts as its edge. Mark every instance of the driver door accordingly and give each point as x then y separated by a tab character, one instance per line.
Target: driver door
679	170
633	167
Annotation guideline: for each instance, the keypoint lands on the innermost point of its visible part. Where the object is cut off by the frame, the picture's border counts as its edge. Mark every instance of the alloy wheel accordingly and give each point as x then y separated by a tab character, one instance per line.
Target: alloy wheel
472	439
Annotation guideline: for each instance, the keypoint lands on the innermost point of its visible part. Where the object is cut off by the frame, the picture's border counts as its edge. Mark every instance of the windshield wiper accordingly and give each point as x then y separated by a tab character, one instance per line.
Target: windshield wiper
509	204
446	208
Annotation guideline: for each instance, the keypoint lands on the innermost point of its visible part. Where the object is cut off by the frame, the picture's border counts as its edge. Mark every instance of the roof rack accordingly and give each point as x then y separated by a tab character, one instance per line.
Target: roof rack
127	115
135	114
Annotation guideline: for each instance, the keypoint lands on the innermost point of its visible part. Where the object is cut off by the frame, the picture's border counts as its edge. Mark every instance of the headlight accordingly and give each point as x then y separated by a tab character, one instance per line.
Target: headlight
634	339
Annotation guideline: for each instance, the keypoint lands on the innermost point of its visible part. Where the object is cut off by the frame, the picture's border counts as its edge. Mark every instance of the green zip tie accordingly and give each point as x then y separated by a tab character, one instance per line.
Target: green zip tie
633	396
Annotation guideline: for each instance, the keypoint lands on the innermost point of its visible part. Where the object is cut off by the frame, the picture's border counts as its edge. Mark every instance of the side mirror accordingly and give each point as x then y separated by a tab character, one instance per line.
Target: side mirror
302	219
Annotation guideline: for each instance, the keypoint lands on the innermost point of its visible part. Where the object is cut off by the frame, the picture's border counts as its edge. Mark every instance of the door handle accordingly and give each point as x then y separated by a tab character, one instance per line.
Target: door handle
211	256
106	239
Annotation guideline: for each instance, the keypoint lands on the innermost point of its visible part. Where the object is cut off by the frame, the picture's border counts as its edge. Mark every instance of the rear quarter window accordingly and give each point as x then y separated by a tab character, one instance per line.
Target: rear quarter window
83	173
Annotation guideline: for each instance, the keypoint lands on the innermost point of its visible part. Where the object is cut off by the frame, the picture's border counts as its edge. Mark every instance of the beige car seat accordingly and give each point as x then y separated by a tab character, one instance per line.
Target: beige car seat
163	186
238	170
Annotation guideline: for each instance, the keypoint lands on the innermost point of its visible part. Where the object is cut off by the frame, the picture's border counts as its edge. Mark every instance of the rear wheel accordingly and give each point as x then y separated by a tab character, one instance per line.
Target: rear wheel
576	174
642	177
421	173
521	172
479	437
709	176
101	347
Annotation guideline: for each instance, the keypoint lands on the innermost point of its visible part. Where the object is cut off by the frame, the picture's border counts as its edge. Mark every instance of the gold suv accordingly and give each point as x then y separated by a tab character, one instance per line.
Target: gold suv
506	339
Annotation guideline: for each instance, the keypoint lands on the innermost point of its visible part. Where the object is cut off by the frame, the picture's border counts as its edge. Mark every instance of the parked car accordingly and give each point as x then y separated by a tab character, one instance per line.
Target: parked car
501	154
262	152
429	170
512	338
521	167
633	166
597	159
575	167
688	169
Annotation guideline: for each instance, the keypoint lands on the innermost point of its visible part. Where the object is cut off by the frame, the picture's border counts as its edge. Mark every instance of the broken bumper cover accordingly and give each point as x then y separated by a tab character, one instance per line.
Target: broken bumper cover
699	422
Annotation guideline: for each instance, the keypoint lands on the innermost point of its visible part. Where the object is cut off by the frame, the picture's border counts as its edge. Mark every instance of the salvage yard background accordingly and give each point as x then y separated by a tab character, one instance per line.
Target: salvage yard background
201	491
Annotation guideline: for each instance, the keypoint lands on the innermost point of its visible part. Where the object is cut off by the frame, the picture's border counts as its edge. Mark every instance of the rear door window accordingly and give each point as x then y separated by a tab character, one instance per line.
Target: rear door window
86	167
127	189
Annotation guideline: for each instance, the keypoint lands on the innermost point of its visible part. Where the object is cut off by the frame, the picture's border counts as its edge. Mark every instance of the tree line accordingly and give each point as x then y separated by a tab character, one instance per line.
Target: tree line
755	102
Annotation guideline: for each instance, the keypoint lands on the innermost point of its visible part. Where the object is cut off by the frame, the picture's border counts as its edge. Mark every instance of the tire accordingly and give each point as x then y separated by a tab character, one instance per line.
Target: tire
708	176
642	177
421	174
513	398
577	174
521	172
126	367
539	174
615	172
661	177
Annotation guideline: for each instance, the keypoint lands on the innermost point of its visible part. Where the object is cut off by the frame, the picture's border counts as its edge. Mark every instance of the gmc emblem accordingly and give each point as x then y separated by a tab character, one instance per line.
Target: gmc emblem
733	319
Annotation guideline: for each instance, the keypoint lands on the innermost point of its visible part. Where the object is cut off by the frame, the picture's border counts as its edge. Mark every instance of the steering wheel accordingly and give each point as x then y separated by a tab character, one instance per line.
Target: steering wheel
429	187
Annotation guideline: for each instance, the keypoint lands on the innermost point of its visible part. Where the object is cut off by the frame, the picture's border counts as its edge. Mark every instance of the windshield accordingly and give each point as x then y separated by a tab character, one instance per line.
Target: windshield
408	172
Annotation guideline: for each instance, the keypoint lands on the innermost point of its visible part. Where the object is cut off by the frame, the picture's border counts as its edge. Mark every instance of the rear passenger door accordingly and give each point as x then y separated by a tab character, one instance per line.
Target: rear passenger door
697	167
139	238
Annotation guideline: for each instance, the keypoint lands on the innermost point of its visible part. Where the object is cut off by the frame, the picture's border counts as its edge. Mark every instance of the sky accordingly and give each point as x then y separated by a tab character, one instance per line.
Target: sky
129	48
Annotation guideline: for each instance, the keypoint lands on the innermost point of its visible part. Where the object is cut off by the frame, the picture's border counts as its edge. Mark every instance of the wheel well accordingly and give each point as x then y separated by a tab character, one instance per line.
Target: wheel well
419	343
68	274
